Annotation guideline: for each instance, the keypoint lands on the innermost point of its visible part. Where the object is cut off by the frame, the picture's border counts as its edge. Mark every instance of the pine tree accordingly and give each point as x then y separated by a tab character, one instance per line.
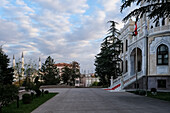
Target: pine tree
50	72
7	91
154	8
107	60
6	72
66	74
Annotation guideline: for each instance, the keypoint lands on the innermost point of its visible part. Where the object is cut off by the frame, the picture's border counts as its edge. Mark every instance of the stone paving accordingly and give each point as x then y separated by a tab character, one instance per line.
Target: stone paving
96	100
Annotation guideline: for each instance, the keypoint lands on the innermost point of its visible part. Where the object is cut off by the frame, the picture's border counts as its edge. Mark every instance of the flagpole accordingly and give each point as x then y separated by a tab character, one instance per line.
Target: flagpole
146	36
136	65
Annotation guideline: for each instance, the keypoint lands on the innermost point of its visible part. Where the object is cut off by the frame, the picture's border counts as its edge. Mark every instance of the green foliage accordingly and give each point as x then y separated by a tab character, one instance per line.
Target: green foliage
155	9
107	60
26	98
66	75
46	92
6	73
8	92
50	72
27	108
38	93
70	73
95	84
160	95
28	84
140	92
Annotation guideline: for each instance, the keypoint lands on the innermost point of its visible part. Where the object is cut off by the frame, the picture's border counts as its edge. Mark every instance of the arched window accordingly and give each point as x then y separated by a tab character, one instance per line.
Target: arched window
163	21
157	24
162	55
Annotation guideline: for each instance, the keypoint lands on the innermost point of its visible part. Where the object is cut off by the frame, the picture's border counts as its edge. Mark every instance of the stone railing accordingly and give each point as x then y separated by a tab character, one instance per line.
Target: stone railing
129	79
159	29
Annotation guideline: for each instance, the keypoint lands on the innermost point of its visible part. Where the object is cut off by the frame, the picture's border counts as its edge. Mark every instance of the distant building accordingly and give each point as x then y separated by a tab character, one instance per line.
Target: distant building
72	65
61	66
86	80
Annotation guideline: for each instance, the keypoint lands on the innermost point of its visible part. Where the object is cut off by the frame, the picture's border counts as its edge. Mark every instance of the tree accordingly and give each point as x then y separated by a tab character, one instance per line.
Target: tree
155	9
18	72
50	72
31	73
106	60
6	72
66	74
70	73
75	72
7	91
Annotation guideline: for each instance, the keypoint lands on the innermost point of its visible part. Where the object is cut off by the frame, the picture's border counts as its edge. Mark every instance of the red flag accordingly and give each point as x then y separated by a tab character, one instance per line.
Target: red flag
135	32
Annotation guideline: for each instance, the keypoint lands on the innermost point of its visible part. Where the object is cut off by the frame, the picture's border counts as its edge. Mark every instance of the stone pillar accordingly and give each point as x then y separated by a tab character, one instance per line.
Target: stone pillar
111	81
121	82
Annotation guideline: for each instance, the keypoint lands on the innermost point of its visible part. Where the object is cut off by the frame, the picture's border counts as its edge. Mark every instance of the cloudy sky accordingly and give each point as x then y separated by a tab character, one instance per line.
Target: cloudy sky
66	30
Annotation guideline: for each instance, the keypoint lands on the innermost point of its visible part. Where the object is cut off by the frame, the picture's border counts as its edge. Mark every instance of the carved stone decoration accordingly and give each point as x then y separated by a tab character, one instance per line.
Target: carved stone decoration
158	41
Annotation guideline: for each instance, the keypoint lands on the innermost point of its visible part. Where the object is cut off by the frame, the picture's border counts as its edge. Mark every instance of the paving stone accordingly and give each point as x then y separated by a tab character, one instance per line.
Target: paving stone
96	100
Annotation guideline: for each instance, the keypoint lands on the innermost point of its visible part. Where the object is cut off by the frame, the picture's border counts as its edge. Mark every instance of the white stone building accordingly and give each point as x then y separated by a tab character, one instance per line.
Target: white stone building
153	55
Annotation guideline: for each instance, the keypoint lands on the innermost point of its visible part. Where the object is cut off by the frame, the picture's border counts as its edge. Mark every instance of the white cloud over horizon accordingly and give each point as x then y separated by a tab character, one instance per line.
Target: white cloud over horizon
67	30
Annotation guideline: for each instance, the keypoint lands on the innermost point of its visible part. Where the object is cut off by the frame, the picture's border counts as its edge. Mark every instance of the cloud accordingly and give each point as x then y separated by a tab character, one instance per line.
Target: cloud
67	30
66	6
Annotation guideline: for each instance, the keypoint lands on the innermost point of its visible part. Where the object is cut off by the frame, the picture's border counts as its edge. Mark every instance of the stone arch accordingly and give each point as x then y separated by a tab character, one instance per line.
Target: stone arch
154	45
133	61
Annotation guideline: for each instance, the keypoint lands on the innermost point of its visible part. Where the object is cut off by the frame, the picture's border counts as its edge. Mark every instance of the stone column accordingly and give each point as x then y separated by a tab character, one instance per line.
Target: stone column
111	81
121	82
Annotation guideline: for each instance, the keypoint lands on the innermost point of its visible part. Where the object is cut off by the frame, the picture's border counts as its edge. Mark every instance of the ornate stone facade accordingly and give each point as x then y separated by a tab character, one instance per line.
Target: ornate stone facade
155	35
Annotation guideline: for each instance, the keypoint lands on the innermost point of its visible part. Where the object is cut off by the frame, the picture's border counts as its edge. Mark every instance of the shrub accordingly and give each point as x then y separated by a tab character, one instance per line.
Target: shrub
26	98
46	92
38	93
137	92
142	92
153	90
32	95
95	84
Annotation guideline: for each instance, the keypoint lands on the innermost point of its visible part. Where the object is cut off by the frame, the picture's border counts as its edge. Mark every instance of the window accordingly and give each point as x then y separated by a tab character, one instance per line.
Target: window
162	55
126	45
157	24
151	26
161	83
126	63
163	21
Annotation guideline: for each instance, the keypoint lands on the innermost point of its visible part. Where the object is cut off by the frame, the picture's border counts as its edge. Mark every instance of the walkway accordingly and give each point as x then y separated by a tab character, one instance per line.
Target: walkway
96	100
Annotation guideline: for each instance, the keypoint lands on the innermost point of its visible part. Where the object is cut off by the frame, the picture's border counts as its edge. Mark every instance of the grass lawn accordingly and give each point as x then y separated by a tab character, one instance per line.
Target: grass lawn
27	108
160	95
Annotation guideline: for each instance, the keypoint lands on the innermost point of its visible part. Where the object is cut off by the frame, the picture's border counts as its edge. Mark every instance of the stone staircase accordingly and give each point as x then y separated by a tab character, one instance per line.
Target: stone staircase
123	81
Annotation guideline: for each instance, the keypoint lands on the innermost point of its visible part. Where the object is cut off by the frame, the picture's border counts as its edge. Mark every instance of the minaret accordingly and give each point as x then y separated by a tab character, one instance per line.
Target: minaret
22	62
13	62
13	65
39	64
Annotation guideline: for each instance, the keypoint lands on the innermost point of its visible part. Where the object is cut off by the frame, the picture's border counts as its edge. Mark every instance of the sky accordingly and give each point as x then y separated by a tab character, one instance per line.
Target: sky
66	30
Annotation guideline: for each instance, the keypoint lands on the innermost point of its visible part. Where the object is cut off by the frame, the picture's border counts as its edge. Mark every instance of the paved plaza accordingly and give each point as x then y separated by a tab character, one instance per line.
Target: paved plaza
96	100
